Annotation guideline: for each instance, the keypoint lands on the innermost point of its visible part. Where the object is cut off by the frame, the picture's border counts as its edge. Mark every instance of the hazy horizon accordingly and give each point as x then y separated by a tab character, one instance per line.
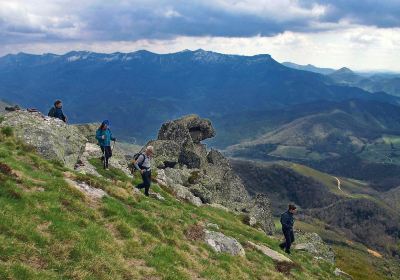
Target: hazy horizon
364	36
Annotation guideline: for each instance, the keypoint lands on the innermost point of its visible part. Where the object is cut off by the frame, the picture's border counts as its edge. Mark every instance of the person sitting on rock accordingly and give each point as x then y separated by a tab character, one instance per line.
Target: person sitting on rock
287	221
143	164
57	112
104	137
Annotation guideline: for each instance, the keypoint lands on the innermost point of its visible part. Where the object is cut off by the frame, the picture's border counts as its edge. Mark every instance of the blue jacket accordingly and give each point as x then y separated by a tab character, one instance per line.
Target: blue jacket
107	139
287	220
57	113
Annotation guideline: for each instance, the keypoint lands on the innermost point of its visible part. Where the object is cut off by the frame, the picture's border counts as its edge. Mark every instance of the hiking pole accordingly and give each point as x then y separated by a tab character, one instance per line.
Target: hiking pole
104	157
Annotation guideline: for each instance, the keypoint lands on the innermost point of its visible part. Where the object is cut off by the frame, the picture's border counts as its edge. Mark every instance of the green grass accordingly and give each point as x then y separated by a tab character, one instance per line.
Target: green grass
112	173
50	230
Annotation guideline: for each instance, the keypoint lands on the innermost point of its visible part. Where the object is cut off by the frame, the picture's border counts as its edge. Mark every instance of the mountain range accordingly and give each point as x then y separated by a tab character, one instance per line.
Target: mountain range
139	90
369	81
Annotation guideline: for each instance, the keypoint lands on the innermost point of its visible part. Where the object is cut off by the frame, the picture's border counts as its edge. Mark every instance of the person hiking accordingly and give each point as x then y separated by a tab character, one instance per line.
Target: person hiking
287	221
57	112
104	137
143	164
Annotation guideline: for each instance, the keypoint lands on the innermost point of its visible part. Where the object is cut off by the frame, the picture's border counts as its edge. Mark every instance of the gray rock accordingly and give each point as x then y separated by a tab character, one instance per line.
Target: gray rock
156	196
276	256
341	273
207	175
212	226
187	129
221	243
90	191
313	243
51	137
261	212
184	193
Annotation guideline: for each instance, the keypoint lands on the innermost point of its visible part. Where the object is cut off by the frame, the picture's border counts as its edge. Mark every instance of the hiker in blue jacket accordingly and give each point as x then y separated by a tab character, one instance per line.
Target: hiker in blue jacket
57	111
104	137
287	221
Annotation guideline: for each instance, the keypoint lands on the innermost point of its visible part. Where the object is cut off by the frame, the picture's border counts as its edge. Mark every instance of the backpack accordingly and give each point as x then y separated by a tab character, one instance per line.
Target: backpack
131	165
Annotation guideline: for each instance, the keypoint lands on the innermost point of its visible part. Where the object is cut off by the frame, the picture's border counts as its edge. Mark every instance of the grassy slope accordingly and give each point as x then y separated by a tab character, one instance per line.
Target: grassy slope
353	257
49	230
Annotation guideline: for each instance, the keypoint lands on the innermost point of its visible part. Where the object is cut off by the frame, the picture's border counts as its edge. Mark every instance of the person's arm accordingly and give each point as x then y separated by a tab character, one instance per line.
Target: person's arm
51	112
139	160
64	117
98	135
285	221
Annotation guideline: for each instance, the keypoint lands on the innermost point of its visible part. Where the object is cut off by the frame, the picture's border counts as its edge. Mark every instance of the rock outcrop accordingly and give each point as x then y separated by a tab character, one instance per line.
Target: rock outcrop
221	243
207	175
276	256
313	243
190	170
51	137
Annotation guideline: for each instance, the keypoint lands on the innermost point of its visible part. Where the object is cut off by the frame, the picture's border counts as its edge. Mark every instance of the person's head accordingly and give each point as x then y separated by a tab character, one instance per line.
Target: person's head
104	125
58	104
292	208
149	151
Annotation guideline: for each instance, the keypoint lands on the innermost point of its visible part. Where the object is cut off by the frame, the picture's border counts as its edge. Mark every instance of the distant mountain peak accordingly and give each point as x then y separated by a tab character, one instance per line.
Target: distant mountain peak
345	70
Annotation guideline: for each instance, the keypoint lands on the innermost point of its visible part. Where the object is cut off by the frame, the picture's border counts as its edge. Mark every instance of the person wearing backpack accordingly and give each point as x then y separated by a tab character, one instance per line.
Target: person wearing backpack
287	221
57	111
104	138
142	163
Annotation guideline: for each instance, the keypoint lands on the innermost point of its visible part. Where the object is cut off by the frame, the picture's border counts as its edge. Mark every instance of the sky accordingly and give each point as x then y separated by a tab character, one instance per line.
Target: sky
362	34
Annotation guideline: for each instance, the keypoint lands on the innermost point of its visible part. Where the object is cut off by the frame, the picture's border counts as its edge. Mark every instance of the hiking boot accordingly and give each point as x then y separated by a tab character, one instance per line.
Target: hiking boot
282	246
288	252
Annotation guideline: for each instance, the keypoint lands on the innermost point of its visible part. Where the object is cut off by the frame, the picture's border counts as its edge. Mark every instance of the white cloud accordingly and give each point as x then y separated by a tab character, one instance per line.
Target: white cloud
321	32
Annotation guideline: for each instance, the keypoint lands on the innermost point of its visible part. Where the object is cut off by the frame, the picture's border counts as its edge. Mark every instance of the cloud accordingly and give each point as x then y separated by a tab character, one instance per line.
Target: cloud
164	19
299	27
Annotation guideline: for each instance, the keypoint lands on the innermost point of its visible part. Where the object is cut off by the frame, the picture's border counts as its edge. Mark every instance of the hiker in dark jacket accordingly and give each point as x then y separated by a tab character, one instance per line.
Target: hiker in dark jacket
143	164
57	112
104	137
287	221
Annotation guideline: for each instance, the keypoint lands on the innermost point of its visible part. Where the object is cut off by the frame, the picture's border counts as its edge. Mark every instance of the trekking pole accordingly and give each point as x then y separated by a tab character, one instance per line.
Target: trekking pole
112	147
104	157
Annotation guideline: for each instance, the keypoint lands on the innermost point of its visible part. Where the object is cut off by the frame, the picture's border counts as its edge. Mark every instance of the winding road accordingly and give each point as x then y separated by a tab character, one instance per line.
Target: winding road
338	183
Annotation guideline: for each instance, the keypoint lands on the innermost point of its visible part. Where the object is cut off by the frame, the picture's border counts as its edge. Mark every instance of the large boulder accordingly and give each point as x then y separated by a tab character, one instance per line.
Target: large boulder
207	175
260	211
51	137
221	243
313	243
187	129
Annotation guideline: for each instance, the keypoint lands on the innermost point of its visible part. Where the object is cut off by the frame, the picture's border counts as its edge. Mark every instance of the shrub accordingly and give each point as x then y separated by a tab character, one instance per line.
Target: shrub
7	131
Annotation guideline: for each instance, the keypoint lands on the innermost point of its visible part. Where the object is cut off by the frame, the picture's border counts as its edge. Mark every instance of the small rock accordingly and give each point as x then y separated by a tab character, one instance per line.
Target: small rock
269	252
313	243
156	196
213	226
221	243
86	189
339	272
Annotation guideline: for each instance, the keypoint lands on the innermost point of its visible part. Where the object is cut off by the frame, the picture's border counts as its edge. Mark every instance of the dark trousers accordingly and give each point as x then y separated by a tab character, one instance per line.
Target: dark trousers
289	238
107	153
146	176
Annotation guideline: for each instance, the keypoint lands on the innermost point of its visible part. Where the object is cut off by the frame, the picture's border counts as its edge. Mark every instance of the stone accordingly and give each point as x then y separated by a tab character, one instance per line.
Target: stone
261	212
276	256
207	175
52	138
341	273
313	244
156	196
184	193
221	243
90	191
251	221
187	129
212	226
